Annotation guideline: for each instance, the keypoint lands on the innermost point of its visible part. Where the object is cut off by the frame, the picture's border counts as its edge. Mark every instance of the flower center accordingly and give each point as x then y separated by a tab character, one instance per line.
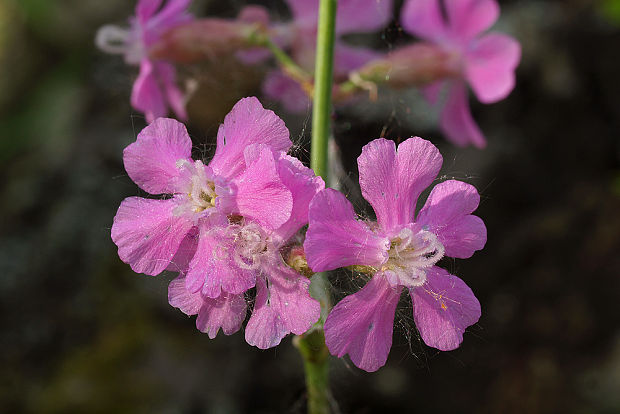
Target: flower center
250	244
410	255
202	196
196	182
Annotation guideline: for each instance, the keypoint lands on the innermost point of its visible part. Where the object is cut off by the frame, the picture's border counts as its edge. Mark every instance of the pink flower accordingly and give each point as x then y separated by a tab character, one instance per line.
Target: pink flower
154	92
487	62
240	180
401	251
212	287
299	36
225	225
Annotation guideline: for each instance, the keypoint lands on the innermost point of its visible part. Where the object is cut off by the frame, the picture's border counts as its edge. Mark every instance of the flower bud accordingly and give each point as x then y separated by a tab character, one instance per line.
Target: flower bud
297	260
205	39
415	65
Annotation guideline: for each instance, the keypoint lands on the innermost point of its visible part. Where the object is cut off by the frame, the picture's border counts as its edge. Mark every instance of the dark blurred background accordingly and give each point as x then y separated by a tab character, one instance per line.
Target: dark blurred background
79	332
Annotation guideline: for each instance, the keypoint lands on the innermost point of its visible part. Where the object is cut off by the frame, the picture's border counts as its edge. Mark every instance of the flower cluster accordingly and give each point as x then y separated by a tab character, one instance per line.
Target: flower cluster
450	53
233	224
223	226
253	224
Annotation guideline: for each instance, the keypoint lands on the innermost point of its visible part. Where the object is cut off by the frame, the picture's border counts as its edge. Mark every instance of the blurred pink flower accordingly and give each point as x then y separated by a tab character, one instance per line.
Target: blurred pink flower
154	92
487	62
400	249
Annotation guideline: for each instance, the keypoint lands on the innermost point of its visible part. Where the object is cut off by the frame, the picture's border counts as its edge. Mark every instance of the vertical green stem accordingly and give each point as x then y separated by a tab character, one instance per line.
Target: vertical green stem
311	345
323	79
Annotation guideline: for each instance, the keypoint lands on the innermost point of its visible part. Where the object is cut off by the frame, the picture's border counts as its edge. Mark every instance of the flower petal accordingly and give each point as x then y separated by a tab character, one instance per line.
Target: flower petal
179	297
335	238
423	18
305	13
247	123
281	88
151	161
213	270
175	99
348	58
285	307
432	91
392	181
289	297
456	120
172	12
468	18
146	9
148	234
264	329
442	308
360	16
361	324
303	185
490	66
185	252
447	214
254	14
146	95
226	312
258	192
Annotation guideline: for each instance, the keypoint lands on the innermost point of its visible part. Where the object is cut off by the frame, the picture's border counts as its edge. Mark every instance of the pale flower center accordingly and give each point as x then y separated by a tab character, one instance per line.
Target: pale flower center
197	187
251	243
410	255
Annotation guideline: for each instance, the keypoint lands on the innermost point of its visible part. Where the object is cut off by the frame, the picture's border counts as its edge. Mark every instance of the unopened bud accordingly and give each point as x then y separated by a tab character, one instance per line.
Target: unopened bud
415	65
206	39
297	260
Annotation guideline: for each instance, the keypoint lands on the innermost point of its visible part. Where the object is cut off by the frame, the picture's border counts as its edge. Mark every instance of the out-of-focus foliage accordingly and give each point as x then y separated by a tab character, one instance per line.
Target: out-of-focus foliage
611	10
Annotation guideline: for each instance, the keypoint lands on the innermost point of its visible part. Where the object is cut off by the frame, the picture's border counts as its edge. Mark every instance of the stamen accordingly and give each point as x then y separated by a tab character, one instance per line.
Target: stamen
410	255
250	245
197	184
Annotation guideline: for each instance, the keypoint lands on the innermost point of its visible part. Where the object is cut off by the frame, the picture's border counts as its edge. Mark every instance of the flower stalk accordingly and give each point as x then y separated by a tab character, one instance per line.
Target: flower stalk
288	66
323	79
312	344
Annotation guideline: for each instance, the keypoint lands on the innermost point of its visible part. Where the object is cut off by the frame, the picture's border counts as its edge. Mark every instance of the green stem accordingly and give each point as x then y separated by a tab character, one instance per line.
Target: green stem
288	65
311	345
323	79
312	348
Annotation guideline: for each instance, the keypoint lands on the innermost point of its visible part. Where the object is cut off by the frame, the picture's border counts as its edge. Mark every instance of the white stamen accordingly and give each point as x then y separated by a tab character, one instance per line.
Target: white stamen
198	187
410	255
